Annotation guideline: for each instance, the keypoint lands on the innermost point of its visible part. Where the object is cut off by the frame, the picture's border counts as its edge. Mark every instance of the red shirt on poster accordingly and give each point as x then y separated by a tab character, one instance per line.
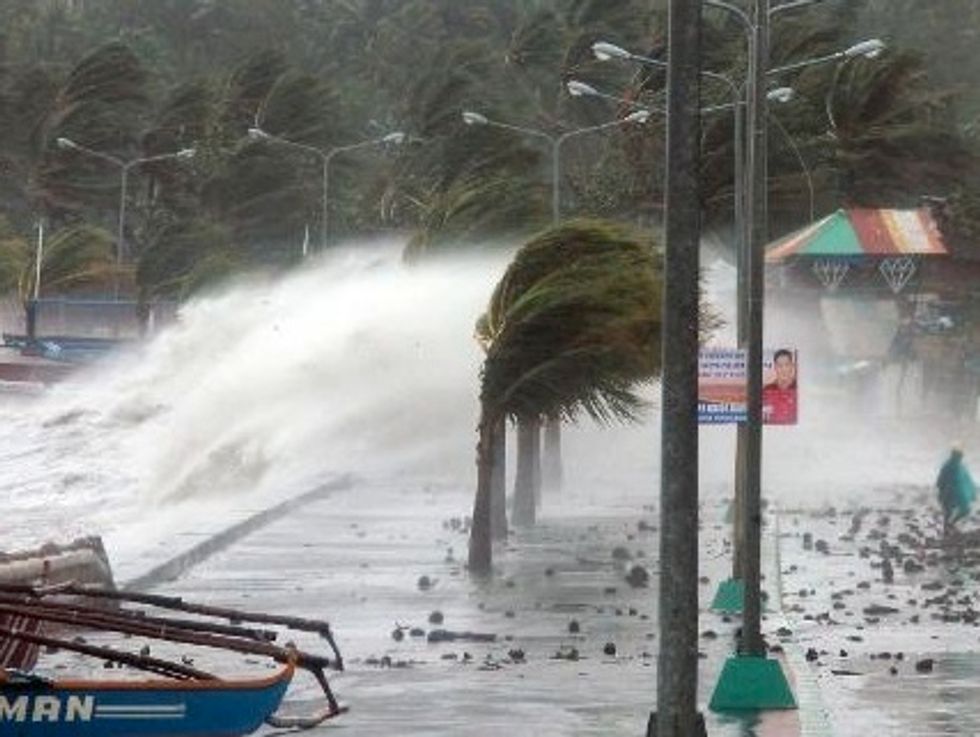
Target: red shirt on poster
779	404
779	396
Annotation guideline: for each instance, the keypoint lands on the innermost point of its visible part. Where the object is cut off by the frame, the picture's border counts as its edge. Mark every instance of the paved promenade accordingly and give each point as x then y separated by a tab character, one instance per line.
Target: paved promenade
574	648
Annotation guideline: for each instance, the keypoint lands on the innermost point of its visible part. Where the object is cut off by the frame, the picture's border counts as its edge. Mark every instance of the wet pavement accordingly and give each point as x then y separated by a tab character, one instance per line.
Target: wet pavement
894	647
574	650
851	642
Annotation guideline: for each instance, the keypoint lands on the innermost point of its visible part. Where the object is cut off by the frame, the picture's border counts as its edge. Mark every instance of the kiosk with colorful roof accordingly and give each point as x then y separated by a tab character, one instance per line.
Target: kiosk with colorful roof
892	242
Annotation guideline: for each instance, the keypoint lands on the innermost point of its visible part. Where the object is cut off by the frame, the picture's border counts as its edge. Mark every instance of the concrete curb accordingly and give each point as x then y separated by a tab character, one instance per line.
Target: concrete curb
181	563
813	713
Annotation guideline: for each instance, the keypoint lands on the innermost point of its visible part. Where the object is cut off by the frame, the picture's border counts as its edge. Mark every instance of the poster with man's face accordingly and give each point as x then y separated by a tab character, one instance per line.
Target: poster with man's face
722	386
779	388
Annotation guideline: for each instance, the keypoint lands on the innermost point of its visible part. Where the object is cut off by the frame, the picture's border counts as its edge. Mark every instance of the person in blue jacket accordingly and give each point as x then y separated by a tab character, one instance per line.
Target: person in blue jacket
956	490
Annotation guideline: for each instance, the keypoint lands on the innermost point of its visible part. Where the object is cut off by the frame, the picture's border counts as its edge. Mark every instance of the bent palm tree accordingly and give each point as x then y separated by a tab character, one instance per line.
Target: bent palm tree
573	326
77	258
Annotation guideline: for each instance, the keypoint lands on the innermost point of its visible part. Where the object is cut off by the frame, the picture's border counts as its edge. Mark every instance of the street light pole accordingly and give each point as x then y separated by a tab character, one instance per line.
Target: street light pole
326	156
124	167
639	116
757	228
394	138
677	662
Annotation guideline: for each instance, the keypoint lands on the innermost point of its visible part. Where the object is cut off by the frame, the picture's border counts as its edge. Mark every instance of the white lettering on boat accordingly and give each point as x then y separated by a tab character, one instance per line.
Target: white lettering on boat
79	708
46	708
13	711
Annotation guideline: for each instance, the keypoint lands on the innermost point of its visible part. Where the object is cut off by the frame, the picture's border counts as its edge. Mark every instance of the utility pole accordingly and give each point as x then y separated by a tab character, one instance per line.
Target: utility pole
756	217
678	657
742	238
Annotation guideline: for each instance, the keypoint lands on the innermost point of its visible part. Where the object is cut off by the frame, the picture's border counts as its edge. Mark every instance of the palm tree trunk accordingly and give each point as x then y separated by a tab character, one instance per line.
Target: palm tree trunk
481	544
528	457
551	464
498	482
536	426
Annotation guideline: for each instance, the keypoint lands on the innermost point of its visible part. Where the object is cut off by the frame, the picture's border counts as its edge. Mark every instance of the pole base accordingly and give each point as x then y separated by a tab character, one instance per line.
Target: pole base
730	597
699	728
752	683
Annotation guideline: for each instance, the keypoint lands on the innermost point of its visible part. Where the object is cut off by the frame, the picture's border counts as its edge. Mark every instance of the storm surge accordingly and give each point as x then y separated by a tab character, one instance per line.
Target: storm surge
357	363
354	363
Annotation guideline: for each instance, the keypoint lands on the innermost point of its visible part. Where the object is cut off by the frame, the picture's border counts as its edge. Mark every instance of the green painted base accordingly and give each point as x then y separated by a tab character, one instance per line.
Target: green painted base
752	683
699	728
730	597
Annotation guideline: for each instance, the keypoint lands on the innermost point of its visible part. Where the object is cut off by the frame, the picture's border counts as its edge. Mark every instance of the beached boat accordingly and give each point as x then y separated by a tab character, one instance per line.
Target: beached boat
180	700
36	707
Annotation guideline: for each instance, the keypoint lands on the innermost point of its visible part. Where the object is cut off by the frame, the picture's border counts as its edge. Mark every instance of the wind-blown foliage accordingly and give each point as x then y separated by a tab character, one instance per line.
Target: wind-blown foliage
101	106
75	259
181	73
574	325
15	258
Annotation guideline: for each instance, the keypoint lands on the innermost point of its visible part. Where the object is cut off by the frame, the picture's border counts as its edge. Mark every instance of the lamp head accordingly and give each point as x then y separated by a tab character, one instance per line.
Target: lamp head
66	143
257	134
396	138
186	153
604	51
640	116
869	49
781	94
579	89
471	118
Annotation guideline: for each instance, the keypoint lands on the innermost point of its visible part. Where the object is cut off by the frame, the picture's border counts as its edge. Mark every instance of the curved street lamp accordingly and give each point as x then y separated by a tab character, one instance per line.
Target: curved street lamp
124	166
866	49
780	95
326	156
473	118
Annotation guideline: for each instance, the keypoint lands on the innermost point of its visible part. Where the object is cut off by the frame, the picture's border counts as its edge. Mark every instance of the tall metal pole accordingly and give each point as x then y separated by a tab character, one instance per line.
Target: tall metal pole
756	224
324	235
742	239
678	600
551	462
555	180
120	236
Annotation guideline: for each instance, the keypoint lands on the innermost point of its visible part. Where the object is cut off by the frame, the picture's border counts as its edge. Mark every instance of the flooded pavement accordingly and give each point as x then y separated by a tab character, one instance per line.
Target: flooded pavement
573	648
888	616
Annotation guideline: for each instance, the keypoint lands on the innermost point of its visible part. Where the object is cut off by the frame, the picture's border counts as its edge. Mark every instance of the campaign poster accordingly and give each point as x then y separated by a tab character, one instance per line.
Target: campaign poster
780	397
722	386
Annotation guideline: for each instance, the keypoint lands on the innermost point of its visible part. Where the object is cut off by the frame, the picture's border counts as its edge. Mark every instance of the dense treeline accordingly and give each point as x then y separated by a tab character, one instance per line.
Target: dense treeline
143	78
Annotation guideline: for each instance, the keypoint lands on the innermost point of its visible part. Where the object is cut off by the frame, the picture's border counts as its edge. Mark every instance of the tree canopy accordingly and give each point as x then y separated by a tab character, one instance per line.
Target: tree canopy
143	78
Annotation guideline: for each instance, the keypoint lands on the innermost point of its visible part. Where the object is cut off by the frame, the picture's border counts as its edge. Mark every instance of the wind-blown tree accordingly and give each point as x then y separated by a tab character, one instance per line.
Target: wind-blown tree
14	257
26	94
185	255
101	105
573	327
894	133
77	258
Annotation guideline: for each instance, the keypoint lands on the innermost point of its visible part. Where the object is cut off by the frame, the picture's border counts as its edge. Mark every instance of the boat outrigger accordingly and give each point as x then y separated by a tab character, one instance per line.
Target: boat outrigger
180	700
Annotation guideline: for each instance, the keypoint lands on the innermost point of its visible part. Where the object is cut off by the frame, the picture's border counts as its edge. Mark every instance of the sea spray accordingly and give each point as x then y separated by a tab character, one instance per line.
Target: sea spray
356	362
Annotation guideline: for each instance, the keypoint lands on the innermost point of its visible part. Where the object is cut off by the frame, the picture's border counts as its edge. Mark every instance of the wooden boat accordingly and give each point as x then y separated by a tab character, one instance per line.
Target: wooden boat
180	700
36	707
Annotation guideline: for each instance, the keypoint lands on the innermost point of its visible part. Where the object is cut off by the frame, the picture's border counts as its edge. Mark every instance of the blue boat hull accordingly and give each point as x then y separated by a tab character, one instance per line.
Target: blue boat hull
155	708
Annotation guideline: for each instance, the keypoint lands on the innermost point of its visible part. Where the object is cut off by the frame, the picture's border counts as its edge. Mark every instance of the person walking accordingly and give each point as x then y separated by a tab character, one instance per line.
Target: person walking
957	491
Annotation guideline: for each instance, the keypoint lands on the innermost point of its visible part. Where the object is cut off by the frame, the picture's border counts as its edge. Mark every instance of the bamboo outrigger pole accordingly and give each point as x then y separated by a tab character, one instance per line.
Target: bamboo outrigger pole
175	603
